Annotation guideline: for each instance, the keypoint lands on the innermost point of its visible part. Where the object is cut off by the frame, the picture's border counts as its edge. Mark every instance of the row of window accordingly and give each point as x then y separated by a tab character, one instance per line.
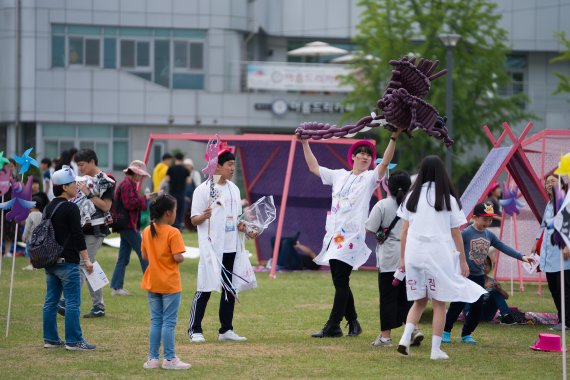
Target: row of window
111	143
171	58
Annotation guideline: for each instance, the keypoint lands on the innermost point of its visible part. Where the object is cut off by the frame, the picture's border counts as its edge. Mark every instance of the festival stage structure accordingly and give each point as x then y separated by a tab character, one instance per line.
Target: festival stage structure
275	165
527	161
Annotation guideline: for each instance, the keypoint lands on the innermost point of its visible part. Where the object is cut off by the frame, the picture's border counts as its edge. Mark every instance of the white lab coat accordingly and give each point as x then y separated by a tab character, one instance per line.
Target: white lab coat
345	233
212	247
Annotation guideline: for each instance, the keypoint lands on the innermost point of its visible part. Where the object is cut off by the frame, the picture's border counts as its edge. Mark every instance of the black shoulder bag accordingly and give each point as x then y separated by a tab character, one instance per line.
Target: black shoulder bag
383	232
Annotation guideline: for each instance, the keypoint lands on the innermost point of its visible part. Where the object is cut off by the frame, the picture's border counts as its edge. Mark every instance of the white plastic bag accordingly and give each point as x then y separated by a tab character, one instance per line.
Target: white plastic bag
257	217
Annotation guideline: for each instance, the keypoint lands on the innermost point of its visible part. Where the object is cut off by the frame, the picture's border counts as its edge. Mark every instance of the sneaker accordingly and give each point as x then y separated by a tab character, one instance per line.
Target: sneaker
507	319
48	344
95	312
80	346
468	339
197	338
438	355
120	292
382	342
151	364
61	308
557	327
8	255
230	335
175	363
403	349
446	337
417	338
28	267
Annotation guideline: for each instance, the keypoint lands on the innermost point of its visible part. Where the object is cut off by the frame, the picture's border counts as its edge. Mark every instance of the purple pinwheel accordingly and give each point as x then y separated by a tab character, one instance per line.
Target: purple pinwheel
25	161
510	203
5	182
21	202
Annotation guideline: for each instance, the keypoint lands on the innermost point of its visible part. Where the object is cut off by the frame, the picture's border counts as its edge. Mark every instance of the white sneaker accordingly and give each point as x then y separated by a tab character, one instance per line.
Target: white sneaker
8	255
230	335
197	338
28	267
438	355
175	363
120	292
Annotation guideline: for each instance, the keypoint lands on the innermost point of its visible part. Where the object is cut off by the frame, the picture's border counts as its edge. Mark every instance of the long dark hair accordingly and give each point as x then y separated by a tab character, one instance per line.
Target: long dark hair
433	170
399	183
158	207
563	186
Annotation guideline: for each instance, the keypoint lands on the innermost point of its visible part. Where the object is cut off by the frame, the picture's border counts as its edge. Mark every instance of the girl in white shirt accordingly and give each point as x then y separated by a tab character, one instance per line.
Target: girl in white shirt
432	253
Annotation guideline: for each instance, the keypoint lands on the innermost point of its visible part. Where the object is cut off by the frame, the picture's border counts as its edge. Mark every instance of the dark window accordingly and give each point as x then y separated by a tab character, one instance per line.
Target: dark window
196	55
75	51
127	53
143	53
92	52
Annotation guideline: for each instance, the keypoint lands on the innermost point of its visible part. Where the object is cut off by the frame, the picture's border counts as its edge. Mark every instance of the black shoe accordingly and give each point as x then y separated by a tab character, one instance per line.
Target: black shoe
507	319
95	312
329	331
354	328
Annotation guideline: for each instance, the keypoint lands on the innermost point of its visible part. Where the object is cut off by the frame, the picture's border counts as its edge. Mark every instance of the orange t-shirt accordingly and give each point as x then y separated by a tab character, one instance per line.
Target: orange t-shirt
162	274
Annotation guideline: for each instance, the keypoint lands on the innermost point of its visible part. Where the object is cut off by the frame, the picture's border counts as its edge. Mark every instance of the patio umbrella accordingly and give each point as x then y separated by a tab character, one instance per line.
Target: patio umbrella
316	49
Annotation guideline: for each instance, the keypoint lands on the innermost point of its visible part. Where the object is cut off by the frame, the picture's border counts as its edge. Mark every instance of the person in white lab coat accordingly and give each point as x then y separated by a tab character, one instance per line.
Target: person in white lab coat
432	253
215	212
344	247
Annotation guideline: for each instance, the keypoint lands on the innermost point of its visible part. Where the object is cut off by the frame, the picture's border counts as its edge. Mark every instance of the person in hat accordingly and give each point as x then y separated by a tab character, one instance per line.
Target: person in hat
476	241
215	212
344	247
63	276
133	203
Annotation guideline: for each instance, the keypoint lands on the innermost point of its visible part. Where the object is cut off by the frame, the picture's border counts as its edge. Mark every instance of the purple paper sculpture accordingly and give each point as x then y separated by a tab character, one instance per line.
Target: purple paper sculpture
211	157
21	201
5	182
401	107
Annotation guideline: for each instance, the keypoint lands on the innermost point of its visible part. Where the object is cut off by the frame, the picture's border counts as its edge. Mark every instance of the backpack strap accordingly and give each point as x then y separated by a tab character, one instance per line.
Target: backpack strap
391	226
53	212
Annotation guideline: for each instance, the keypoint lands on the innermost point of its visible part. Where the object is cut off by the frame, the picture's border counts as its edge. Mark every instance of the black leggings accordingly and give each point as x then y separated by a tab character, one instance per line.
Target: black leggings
343	305
553	279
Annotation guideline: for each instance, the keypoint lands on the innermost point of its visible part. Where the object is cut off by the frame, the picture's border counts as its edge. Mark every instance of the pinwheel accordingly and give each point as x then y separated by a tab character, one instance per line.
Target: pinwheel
25	161
3	160
564	165
510	203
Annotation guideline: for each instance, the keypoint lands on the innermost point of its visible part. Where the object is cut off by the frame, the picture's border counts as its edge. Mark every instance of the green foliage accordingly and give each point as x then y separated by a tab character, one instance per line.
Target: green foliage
393	28
564	84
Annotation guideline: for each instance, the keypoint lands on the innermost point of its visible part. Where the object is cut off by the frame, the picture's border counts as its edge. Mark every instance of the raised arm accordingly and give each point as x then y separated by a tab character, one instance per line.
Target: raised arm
388	154
312	162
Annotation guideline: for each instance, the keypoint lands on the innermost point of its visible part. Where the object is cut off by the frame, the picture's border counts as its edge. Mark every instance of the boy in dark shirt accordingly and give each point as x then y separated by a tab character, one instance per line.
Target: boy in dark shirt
476	240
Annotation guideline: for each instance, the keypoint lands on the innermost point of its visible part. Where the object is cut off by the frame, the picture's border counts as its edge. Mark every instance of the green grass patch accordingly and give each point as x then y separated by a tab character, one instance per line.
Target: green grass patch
277	318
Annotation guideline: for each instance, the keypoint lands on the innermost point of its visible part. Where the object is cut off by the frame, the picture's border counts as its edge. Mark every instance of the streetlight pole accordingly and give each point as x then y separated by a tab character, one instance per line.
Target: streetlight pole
449	41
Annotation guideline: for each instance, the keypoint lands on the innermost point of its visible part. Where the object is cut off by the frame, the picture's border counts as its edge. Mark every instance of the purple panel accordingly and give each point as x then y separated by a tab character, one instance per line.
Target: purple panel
308	201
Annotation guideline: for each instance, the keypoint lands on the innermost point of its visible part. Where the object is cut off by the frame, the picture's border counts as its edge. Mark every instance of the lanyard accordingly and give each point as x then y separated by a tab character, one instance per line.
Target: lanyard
340	193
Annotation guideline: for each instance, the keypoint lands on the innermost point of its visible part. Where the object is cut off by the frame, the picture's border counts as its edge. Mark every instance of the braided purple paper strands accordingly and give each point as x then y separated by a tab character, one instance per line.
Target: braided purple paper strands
402	106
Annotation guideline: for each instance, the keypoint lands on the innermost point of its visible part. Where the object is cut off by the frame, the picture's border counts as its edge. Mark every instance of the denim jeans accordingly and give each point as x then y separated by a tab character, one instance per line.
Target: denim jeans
130	239
63	277
491	302
163	318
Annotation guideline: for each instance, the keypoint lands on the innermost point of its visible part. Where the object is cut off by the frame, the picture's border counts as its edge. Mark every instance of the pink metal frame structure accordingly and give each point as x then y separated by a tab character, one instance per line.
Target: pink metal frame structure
249	185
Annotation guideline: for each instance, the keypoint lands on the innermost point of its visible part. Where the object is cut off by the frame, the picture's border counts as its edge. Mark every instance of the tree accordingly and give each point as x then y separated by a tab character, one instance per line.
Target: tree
564	84
390	29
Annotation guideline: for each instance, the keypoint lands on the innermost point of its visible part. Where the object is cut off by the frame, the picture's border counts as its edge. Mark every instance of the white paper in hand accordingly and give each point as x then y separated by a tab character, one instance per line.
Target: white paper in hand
531	268
97	279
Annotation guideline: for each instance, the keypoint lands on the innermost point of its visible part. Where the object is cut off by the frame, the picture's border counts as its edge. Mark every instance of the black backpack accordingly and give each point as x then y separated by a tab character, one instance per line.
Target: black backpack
44	250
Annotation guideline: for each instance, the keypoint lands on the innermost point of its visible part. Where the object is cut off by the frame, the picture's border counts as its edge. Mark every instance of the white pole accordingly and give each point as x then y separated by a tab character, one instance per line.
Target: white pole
511	260
2	236
11	282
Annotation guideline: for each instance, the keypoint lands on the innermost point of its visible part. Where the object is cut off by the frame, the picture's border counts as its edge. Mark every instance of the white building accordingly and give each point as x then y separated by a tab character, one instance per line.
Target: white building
106	73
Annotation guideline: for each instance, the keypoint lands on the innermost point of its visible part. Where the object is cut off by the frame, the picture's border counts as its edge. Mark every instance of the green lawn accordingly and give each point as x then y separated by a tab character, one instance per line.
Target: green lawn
277	318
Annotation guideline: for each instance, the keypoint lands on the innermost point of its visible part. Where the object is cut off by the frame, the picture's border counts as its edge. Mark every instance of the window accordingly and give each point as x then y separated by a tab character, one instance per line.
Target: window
127	53
58	51
110	53
92	52
143	53
188	55
111	143
75	52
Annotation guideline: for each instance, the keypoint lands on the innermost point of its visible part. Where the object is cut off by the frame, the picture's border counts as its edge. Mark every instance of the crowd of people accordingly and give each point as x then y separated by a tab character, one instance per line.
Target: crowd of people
421	253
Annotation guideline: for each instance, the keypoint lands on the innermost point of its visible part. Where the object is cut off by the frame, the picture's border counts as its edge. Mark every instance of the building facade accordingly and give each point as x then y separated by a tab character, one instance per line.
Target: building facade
105	74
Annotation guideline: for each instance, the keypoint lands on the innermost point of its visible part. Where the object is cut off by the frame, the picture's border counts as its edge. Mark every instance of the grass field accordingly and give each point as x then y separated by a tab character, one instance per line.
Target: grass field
277	318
